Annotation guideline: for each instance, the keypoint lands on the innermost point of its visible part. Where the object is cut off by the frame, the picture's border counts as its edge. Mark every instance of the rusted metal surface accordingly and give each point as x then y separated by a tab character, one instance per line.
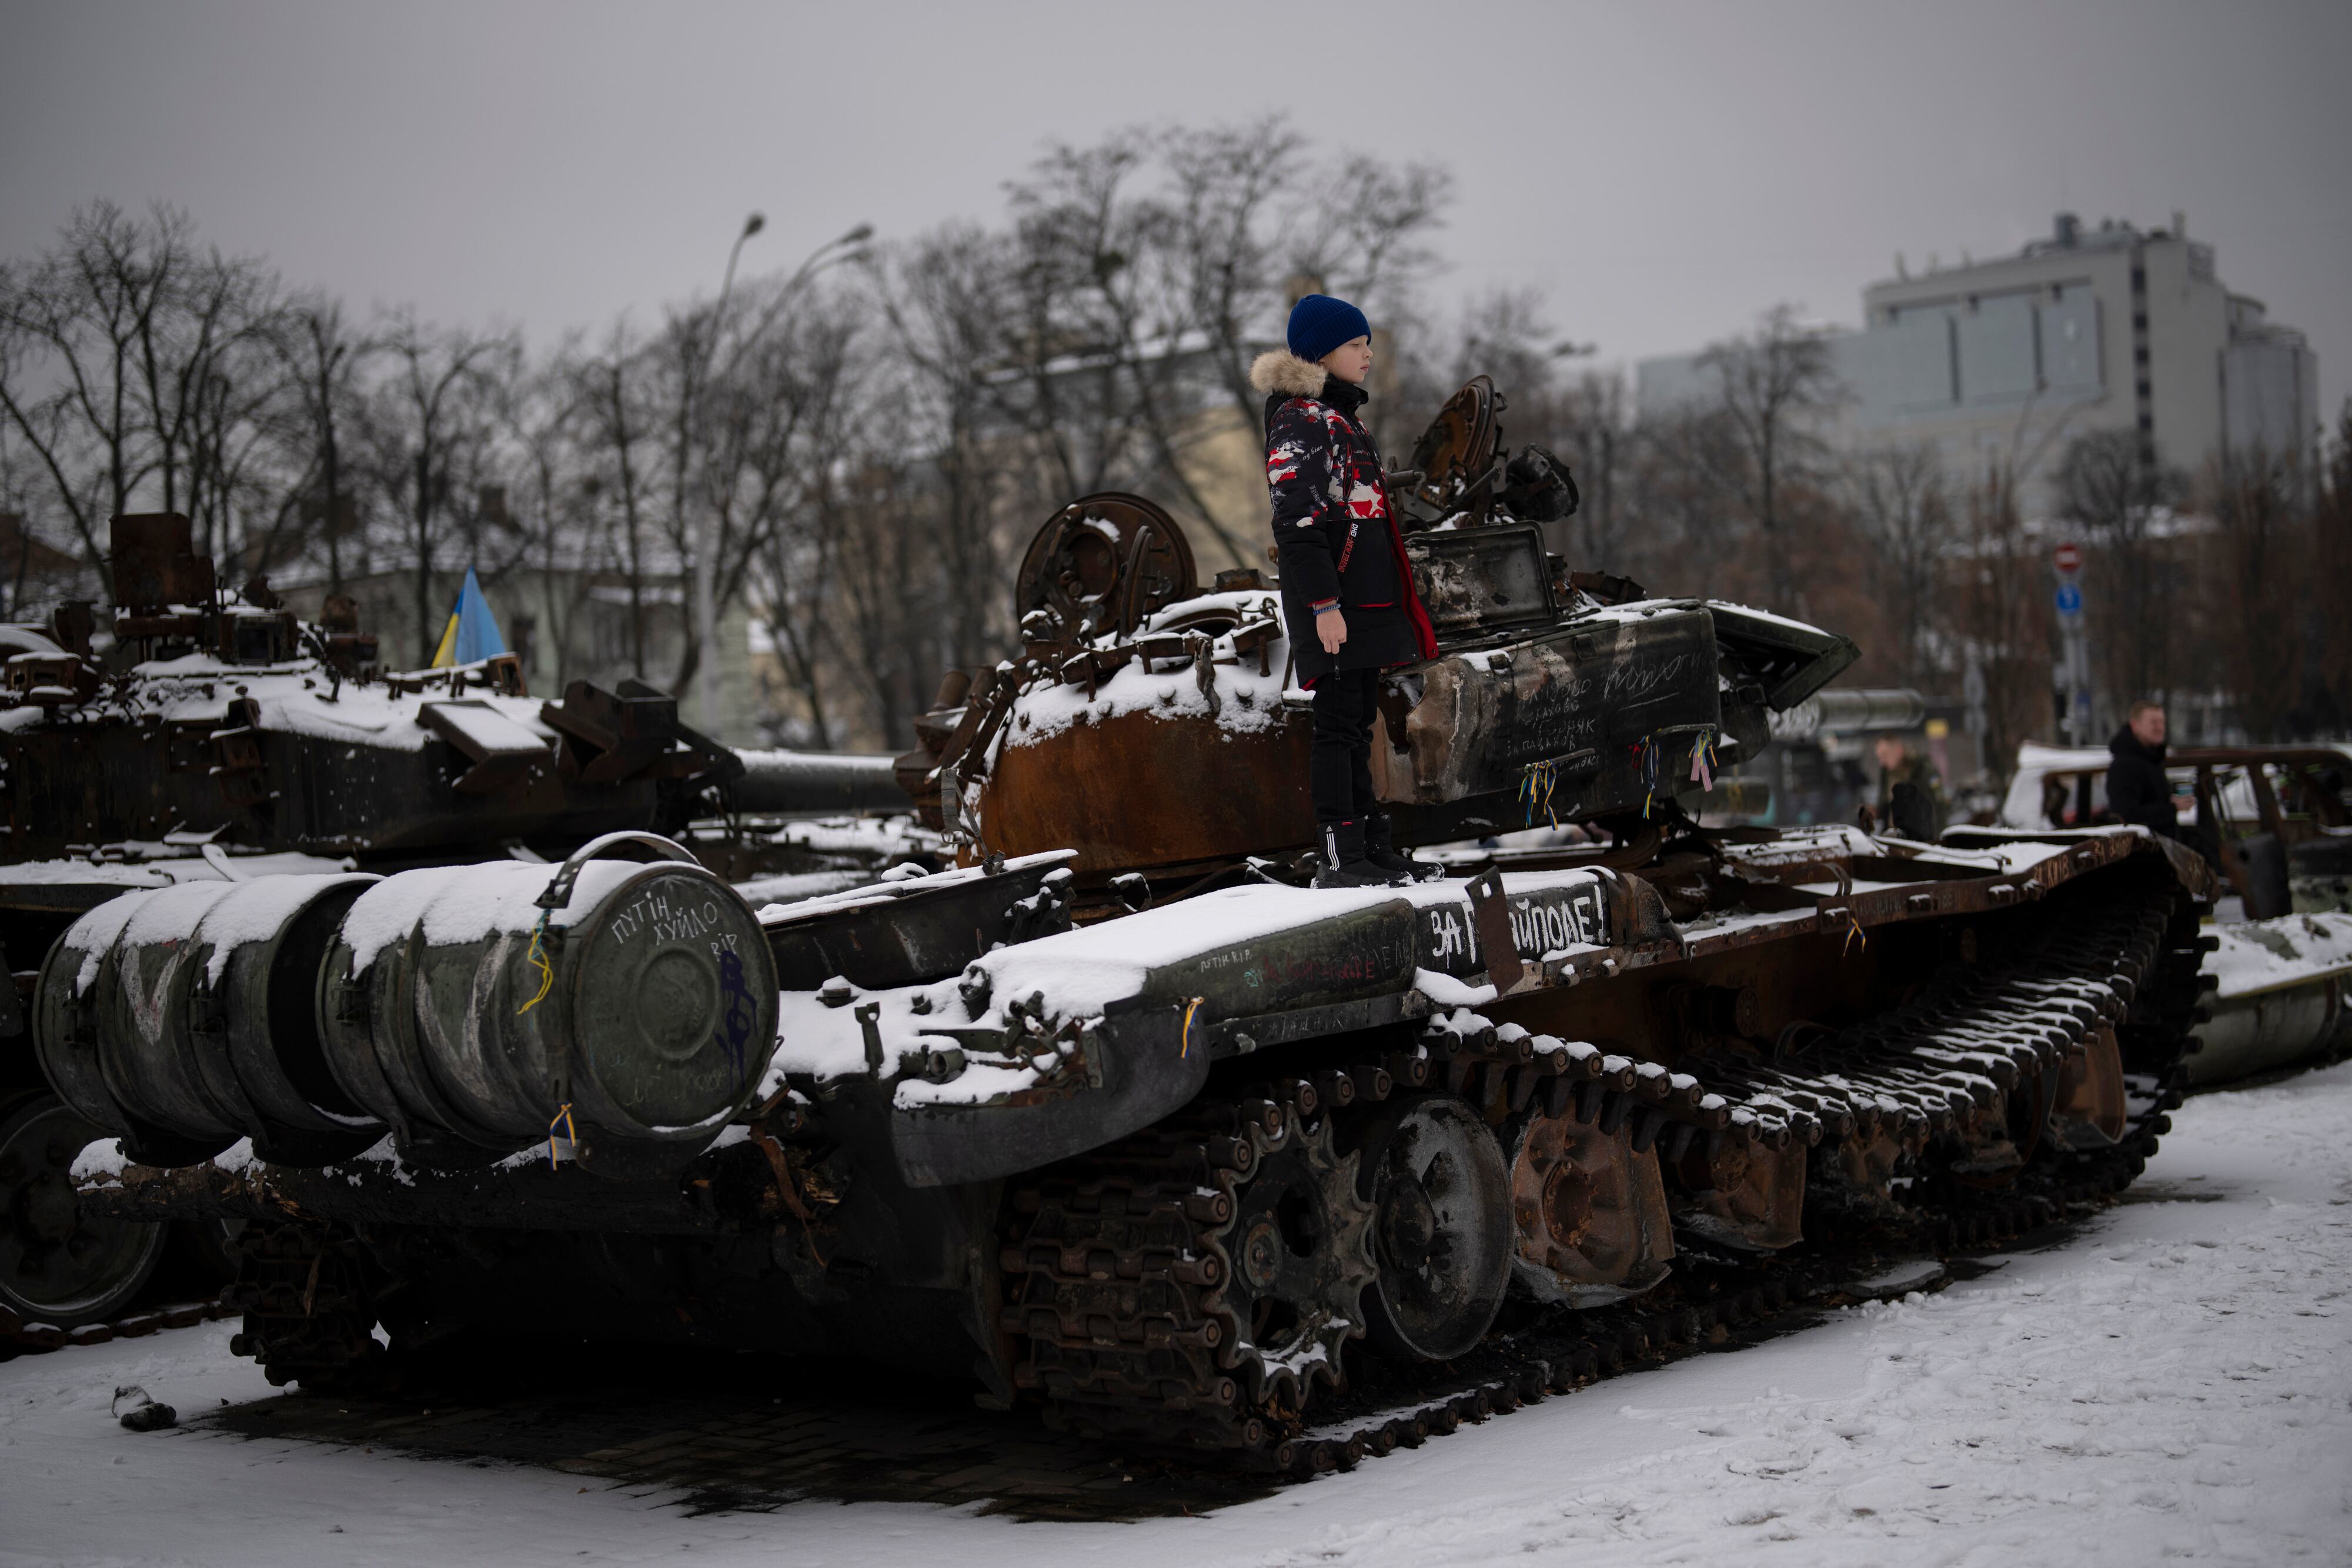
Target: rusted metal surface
1135	791
2091	1102
158	575
1104	562
1456	455
1750	1197
1591	1212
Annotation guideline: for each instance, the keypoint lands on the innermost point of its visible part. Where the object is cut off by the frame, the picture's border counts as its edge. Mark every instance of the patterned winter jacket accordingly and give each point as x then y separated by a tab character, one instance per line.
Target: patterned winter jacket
1334	529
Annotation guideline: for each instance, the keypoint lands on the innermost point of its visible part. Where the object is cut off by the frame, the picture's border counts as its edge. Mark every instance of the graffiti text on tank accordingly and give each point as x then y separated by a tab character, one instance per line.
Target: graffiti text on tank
1580	921
1541	923
652	910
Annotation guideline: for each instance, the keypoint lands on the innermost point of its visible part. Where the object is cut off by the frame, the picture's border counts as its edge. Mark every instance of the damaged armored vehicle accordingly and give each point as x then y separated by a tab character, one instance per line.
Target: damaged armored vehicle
1114	1120
220	740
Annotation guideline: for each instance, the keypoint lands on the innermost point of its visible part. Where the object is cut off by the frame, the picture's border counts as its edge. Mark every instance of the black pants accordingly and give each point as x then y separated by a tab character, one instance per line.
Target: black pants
1340	766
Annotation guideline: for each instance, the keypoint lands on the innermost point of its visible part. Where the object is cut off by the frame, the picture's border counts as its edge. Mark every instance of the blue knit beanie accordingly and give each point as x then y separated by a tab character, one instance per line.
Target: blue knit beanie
1319	324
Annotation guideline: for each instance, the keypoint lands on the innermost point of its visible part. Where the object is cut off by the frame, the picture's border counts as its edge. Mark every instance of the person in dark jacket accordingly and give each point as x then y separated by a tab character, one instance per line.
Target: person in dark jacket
2137	791
1347	597
1910	793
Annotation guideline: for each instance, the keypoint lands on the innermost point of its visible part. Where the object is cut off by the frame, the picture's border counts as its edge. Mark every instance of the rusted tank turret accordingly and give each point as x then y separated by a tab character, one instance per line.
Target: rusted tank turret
1153	724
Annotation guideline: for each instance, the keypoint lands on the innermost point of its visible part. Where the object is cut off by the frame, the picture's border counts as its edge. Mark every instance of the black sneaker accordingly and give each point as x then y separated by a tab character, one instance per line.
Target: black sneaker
1379	848
1344	864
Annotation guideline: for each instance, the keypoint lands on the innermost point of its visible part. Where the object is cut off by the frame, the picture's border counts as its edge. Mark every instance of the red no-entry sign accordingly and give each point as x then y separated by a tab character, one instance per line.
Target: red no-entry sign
2068	557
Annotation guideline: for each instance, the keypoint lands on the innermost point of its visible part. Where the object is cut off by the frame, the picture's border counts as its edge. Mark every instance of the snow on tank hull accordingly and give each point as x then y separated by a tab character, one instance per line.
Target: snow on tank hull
938	1167
1182	748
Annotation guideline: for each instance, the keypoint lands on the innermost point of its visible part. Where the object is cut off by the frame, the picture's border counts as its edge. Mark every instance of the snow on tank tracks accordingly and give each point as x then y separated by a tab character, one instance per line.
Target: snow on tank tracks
1116	1272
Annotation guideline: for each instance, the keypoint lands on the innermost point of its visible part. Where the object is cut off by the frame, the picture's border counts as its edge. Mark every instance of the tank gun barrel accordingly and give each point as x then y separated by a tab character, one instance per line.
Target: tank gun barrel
779	783
1847	709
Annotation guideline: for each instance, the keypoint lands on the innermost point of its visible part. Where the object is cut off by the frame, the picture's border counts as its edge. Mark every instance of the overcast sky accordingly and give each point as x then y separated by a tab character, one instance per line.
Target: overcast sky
1662	171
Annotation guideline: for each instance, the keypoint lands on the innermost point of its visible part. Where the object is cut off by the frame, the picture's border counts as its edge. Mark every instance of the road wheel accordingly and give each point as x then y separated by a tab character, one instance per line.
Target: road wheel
59	1264
1442	1232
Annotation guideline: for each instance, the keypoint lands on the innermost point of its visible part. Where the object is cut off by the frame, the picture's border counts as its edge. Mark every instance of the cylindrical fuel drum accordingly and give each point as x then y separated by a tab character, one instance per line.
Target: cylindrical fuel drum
182	1019
262	945
108	1024
640	1009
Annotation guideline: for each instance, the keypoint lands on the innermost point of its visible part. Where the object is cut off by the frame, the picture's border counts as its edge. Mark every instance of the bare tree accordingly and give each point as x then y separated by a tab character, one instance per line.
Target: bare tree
1079	287
123	369
2327	707
778	415
204	374
35	569
1675	526
938	297
324	362
1774	382
2106	485
617	398
2258	571
1146	271
889	589
433	424
546	420
1595	430
1898	497
2003	616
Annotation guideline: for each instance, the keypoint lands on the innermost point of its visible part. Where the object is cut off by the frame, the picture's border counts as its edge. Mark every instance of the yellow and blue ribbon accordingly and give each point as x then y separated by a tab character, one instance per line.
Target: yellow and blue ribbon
562	1118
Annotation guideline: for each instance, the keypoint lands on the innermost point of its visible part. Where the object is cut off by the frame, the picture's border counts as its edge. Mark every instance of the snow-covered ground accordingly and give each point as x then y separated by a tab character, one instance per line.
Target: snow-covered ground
2174	1381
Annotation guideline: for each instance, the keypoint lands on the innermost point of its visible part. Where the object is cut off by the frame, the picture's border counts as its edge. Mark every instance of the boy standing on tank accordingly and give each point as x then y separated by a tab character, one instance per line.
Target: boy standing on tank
1347	597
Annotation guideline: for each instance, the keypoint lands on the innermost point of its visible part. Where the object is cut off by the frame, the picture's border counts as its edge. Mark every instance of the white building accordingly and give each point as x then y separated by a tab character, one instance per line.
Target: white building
2009	360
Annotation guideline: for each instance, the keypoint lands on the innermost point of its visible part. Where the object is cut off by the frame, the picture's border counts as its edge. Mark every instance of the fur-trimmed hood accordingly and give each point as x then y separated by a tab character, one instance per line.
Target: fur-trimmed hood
1278	372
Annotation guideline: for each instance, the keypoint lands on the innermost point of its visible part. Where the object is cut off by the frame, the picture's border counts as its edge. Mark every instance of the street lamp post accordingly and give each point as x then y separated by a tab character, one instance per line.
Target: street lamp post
706	533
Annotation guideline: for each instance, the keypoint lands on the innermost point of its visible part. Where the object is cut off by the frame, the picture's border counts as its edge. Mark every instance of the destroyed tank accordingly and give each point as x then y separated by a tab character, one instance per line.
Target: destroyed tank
1115	1121
221	739
1558	695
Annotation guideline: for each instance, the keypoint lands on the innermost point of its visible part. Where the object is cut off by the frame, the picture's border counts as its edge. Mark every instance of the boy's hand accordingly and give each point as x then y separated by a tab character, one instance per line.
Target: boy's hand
1331	629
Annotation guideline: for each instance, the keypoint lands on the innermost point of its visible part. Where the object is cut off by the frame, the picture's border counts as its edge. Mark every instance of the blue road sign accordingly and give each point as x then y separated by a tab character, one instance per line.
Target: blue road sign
2070	598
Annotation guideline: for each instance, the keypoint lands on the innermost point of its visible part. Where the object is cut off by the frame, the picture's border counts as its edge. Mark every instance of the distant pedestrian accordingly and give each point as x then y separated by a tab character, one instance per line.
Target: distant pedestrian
1910	795
1347	597
2137	789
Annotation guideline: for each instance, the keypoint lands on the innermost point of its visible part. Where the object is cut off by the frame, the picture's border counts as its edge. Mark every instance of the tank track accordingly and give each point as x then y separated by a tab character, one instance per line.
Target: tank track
308	1297
1120	1267
1116	1265
1128	1297
18	1336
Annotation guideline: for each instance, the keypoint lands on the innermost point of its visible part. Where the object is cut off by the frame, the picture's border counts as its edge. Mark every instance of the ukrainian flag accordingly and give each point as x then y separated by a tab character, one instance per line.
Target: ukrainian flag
473	632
